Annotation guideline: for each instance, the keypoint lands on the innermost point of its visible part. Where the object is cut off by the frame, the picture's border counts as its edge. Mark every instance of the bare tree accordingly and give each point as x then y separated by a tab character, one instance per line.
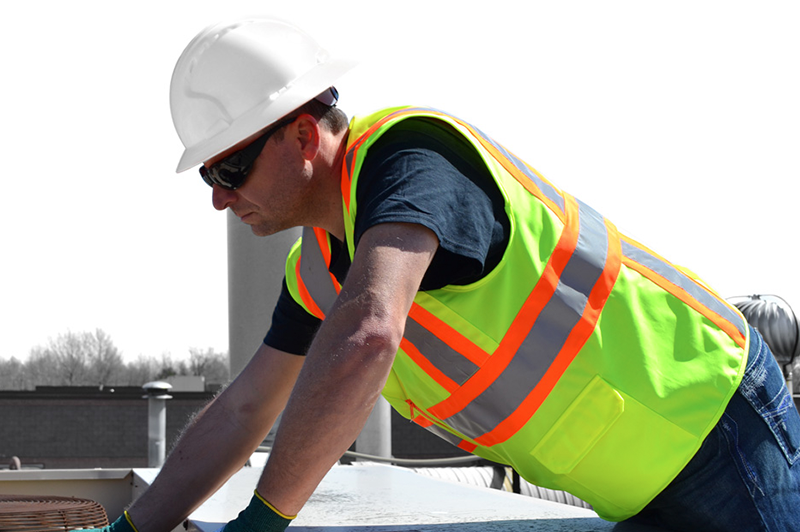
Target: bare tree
76	359
104	359
70	356
140	371
168	367
13	375
42	368
209	364
92	359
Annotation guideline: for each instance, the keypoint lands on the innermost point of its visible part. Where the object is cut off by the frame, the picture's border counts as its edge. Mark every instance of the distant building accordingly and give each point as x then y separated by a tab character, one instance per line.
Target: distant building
85	427
88	427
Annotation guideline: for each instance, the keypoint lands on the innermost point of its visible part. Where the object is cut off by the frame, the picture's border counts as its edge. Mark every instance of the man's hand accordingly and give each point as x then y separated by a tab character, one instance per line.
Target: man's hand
259	516
122	524
219	441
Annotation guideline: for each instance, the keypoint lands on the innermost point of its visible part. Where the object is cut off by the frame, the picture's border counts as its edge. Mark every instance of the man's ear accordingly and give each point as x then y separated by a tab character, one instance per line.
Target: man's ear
308	136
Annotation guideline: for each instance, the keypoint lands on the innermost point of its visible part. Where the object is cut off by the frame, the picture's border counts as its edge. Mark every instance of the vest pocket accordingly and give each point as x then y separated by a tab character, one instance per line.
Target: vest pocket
580	427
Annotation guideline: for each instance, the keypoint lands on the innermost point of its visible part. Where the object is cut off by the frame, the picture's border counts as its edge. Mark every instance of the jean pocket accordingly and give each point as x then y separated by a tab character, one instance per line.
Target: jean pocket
764	387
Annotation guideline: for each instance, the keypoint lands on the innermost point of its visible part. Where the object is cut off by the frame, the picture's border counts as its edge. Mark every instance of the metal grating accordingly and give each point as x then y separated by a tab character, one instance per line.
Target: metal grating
22	513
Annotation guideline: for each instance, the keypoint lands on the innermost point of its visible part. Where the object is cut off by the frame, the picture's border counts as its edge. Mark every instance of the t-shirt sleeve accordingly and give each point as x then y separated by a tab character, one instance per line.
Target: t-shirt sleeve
292	329
422	172
419	172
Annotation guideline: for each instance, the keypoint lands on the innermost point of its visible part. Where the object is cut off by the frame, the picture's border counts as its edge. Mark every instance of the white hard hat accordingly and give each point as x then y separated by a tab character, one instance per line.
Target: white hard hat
235	79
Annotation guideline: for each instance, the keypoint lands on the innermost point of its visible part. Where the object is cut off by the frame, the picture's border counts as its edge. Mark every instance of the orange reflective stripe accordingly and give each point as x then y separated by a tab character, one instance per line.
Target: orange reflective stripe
380	123
514	171
322	239
448	335
518	331
729	327
533	182
352	150
308	301
420	419
433	372
425	422
347	172
466	446
575	342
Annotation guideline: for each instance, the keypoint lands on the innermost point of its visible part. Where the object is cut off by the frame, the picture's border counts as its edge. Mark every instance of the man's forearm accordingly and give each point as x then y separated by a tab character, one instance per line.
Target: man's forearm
218	442
208	453
348	362
329	407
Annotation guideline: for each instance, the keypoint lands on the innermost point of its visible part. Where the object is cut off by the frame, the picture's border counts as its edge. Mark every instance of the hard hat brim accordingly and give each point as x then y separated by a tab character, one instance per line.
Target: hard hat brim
302	90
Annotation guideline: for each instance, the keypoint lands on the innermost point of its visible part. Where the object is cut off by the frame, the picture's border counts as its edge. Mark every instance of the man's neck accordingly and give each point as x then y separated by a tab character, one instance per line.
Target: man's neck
333	162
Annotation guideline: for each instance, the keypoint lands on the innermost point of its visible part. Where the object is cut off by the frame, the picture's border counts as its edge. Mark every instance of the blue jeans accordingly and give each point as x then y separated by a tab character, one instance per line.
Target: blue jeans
746	475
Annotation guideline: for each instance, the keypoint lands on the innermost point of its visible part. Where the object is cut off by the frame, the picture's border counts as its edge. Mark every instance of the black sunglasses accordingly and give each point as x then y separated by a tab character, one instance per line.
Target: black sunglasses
231	172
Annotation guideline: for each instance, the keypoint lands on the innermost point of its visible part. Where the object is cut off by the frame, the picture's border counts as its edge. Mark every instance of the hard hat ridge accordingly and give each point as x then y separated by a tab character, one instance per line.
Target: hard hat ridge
234	79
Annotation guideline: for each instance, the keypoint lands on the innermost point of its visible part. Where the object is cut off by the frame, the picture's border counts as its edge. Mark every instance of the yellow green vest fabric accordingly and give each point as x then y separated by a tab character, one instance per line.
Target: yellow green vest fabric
584	360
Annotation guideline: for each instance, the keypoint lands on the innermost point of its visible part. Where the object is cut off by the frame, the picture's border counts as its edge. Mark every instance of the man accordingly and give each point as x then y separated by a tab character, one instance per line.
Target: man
483	302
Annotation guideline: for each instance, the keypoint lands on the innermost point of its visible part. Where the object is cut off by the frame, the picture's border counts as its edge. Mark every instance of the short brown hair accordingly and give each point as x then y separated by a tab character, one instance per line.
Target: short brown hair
330	116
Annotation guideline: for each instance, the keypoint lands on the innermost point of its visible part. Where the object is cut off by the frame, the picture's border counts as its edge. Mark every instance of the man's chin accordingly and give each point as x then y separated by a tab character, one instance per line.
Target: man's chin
259	230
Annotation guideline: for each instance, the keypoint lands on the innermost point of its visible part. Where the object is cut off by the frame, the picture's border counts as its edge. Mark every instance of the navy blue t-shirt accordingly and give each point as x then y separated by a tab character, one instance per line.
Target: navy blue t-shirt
422	172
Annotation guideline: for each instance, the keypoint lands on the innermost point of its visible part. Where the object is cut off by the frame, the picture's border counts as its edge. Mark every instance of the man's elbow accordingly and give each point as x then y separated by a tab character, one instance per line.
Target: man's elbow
376	346
368	352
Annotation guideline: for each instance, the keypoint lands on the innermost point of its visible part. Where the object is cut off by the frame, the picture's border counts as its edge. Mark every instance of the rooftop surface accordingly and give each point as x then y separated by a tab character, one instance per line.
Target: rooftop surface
381	498
362	497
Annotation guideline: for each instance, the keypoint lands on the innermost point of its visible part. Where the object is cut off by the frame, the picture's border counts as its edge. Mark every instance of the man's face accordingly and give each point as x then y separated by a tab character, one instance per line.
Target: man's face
276	193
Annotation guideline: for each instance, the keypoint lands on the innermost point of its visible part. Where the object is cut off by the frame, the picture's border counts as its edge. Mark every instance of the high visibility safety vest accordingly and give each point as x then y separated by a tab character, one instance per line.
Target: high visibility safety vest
583	359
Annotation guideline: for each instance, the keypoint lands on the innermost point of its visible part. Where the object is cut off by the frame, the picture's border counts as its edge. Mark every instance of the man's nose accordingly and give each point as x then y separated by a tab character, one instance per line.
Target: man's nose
222	198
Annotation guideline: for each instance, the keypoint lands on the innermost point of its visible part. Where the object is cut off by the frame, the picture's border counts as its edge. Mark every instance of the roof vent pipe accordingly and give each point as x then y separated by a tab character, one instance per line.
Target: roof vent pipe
376	436
157	395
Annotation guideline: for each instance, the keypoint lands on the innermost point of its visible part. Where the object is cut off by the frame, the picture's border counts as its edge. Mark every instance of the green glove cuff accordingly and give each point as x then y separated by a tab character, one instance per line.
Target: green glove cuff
122	524
259	516
128	525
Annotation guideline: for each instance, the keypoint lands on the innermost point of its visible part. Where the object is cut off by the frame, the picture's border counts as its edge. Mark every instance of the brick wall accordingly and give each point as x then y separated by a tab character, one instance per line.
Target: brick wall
81	429
65	428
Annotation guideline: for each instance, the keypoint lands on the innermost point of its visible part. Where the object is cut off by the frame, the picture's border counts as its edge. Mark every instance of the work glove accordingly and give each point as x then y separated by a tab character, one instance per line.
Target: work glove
259	516
122	524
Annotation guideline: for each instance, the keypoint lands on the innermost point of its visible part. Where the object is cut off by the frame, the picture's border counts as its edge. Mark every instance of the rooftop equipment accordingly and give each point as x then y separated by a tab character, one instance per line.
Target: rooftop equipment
157	395
776	321
49	513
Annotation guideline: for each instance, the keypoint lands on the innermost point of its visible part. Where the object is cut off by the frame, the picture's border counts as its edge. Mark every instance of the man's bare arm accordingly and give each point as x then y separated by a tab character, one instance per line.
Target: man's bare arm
348	362
218	441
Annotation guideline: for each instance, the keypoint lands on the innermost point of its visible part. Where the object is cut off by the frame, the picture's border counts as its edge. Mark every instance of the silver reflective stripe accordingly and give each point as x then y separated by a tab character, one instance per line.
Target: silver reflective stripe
314	272
547	189
678	278
547	336
443	434
318	282
446	359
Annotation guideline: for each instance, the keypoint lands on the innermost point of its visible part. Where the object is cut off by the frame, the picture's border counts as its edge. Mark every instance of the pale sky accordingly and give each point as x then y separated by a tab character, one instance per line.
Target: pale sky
677	120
